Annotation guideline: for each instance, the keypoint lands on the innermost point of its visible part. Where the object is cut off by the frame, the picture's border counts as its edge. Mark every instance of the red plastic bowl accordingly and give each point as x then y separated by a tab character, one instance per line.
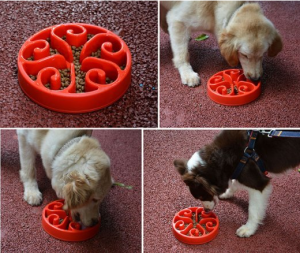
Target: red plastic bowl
58	224
194	226
115	63
231	87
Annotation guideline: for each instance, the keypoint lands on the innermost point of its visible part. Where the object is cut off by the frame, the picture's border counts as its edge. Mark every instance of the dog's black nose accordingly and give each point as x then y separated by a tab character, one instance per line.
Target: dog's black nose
94	222
255	79
77	217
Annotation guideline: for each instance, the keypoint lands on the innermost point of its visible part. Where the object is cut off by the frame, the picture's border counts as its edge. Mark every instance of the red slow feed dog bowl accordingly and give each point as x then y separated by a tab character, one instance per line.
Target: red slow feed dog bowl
231	87
58	224
45	54
194	226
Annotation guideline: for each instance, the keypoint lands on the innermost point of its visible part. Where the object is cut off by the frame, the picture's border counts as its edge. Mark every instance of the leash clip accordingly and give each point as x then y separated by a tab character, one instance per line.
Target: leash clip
267	132
271	132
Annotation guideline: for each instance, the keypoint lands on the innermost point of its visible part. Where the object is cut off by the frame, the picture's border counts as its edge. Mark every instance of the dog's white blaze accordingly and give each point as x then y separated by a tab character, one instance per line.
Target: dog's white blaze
194	161
208	204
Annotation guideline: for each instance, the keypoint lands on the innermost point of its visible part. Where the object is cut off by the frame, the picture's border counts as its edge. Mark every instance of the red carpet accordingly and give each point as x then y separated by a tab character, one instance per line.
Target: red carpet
120	231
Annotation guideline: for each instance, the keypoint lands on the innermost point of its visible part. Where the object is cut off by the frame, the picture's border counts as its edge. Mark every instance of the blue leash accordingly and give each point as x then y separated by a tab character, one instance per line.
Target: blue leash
284	133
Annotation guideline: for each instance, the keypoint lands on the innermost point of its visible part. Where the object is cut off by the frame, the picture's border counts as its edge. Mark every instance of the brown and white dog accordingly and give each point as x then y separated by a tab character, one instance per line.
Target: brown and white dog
244	34
78	168
208	172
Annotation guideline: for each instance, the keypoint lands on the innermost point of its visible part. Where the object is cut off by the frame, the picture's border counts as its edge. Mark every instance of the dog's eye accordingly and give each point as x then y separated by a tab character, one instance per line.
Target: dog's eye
95	200
244	55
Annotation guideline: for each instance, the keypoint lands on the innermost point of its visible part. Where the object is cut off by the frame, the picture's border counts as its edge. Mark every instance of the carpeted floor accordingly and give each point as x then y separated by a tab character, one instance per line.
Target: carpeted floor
278	104
137	108
120	231
165	194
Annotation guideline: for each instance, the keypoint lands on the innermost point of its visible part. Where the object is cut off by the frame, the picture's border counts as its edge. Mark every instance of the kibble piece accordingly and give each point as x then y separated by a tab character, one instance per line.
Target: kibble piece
89	36
97	53
53	51
108	80
33	77
236	91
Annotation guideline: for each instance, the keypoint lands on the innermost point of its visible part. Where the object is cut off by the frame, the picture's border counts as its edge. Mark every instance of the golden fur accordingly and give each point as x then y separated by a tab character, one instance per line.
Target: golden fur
244	34
79	172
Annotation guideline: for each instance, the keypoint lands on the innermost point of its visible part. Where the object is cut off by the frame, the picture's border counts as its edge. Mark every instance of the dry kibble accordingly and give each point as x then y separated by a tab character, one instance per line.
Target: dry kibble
235	89
64	77
53	51
97	53
79	75
108	80
89	36
33	77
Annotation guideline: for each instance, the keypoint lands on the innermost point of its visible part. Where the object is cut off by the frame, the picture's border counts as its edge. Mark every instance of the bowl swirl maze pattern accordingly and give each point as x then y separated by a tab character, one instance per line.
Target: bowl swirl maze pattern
58	224
74	68
231	87
194	226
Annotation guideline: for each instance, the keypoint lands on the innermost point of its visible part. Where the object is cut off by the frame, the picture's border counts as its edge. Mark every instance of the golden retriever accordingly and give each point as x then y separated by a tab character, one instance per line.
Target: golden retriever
244	34
78	168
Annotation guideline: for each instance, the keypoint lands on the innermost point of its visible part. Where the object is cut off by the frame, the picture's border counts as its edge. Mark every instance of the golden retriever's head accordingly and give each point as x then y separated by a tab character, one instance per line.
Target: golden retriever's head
85	179
248	35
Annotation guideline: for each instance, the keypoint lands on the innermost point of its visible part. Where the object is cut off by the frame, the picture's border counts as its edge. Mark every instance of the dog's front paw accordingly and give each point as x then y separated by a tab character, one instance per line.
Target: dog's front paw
226	195
33	197
246	231
190	78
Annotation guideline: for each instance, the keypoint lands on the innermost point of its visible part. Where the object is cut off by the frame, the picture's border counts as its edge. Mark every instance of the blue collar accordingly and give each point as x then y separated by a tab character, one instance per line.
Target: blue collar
249	153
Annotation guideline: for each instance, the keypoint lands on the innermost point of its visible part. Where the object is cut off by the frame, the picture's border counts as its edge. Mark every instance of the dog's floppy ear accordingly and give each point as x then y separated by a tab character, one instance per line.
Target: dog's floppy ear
181	166
227	48
77	190
276	46
211	189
